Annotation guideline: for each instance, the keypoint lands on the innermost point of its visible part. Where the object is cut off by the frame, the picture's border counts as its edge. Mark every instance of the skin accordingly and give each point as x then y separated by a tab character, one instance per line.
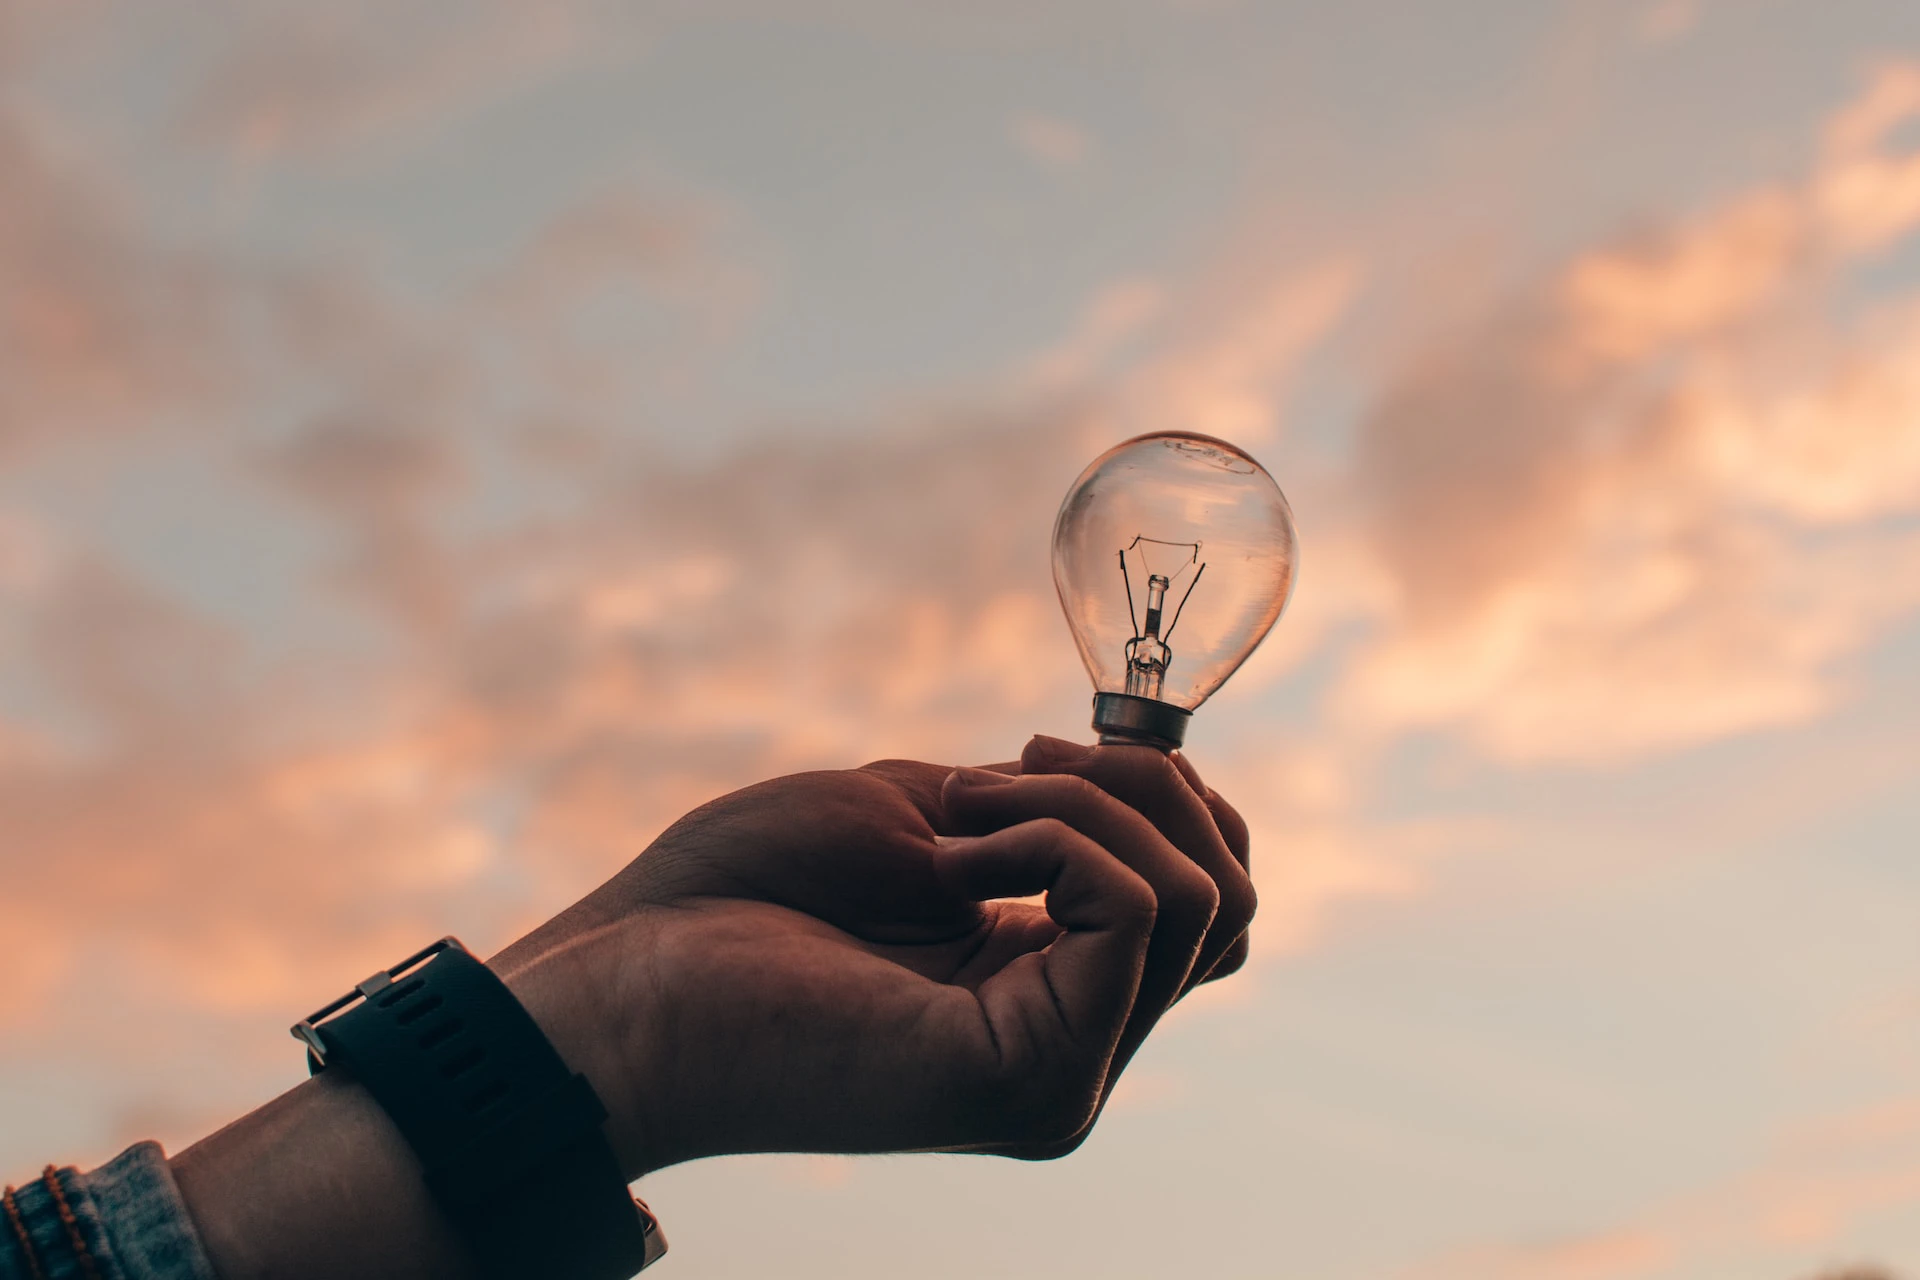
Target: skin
824	962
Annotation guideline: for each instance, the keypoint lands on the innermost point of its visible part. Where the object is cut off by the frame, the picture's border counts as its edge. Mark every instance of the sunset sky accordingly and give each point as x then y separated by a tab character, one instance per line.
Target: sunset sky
440	444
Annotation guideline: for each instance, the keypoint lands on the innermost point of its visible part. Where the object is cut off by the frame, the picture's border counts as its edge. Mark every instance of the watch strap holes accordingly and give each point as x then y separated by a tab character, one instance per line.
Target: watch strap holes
401	992
465	1062
410	1016
487	1097
439	1034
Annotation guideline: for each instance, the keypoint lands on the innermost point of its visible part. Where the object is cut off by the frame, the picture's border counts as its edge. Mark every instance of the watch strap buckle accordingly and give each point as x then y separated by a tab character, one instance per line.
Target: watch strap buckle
307	1030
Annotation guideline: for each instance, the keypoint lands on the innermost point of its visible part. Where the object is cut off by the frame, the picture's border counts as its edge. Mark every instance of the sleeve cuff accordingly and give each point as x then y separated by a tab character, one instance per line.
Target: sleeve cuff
123	1221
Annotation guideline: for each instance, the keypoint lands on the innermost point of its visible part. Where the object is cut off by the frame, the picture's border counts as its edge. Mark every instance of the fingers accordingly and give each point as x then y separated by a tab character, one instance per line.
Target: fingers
1060	1009
1168	793
1185	895
1233	828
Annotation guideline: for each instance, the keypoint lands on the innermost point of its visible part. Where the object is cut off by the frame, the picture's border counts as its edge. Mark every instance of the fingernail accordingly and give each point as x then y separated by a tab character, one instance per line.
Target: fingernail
980	778
1059	750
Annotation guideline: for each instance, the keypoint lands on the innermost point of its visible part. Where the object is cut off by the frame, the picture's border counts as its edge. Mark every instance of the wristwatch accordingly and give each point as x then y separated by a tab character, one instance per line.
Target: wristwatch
509	1138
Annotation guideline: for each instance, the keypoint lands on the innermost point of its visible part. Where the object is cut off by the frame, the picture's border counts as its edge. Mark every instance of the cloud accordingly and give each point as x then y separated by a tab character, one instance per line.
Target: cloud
1232	352
1643	505
225	817
1217	353
382	466
680	632
303	82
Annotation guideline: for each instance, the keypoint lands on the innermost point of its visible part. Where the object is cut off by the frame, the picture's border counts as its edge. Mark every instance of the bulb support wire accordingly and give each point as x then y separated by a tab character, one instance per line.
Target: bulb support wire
1177	609
1126	579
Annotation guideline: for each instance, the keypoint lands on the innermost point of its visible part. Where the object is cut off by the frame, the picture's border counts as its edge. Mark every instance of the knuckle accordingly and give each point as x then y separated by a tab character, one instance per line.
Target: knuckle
1239	901
1137	898
1196	902
1054	831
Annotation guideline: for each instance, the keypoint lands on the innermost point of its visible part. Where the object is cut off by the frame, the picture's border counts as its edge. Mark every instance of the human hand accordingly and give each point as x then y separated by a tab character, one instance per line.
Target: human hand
827	962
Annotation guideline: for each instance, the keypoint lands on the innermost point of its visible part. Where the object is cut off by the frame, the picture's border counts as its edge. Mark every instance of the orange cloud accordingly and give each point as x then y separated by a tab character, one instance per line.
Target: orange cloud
1230	357
1596	510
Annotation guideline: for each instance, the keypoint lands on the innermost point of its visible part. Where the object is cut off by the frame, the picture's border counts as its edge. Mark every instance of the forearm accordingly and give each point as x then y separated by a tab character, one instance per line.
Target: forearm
317	1183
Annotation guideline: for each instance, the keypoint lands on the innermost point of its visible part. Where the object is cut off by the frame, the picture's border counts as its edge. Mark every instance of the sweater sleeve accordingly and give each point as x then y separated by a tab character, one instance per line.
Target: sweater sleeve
122	1221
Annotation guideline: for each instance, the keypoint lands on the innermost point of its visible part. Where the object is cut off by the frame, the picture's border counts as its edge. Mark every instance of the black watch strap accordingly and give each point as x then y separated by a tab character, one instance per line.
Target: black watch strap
509	1138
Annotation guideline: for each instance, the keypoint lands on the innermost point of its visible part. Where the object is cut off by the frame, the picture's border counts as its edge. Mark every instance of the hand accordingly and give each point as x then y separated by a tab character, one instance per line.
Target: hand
826	962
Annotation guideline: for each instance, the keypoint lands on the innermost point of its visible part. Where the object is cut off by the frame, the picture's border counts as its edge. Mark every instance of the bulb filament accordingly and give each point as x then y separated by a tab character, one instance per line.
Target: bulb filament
1148	653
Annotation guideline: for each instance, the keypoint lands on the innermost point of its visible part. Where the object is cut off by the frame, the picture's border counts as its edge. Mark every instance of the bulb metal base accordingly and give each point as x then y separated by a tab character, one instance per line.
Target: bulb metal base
1126	718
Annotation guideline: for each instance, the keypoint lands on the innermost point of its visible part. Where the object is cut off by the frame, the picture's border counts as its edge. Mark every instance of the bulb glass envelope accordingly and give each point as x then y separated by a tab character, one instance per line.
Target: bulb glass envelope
1174	556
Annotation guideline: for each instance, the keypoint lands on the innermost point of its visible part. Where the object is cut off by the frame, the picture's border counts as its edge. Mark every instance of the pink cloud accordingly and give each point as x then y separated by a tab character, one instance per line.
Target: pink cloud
1595	508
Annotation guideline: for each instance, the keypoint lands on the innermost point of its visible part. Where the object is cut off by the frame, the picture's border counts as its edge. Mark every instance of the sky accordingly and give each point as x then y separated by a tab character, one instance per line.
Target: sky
440	444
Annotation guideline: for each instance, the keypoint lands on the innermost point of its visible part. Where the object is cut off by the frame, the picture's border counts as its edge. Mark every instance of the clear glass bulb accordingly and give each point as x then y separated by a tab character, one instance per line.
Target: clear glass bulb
1173	555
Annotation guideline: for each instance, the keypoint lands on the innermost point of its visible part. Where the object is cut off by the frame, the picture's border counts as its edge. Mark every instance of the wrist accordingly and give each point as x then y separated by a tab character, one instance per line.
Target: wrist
571	987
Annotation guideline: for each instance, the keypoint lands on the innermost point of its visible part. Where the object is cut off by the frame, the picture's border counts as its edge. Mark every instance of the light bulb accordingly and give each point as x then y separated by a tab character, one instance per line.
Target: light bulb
1173	555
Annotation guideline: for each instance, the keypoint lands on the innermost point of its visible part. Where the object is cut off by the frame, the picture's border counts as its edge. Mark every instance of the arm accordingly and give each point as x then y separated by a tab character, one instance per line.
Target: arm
821	963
